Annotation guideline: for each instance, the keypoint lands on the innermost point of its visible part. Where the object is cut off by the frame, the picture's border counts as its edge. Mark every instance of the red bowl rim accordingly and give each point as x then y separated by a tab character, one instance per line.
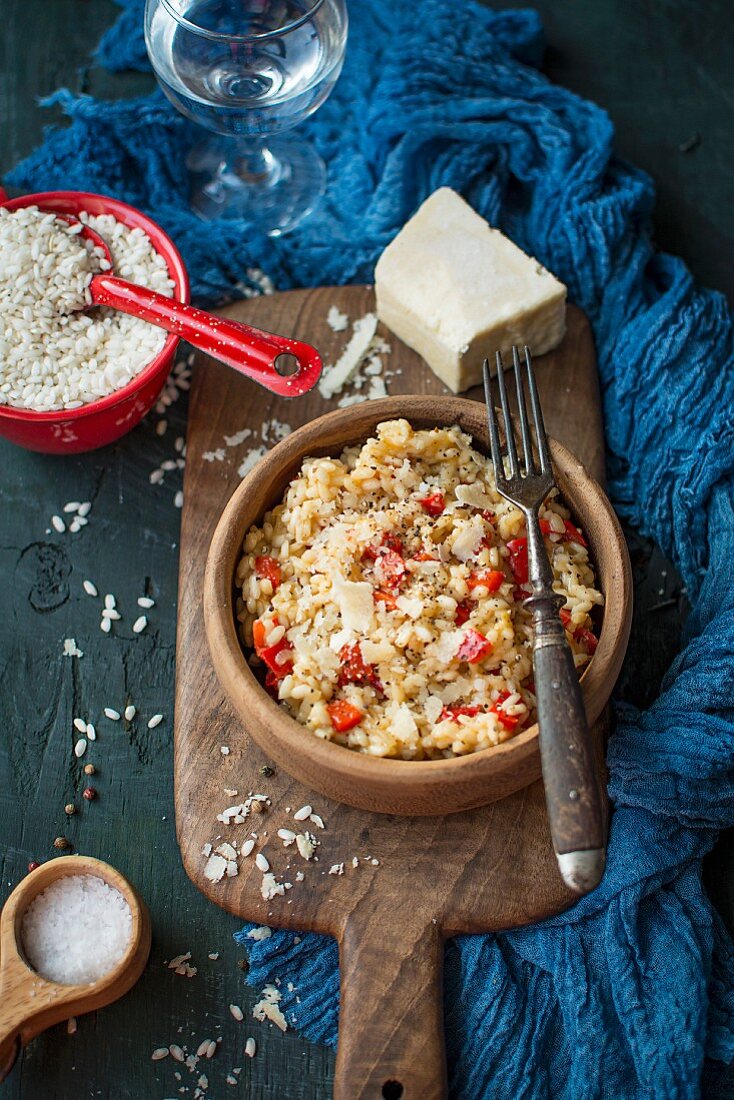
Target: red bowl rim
130	215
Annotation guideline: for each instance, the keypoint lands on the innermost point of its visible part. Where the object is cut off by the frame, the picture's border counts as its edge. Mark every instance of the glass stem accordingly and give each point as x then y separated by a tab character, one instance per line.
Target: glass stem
254	164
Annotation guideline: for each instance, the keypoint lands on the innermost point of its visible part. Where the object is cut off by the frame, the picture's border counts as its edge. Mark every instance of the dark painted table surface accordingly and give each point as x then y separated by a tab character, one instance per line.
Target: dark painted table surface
663	70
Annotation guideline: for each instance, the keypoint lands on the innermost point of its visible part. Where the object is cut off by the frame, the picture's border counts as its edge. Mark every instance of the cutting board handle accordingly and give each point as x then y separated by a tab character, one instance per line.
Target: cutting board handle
391	1044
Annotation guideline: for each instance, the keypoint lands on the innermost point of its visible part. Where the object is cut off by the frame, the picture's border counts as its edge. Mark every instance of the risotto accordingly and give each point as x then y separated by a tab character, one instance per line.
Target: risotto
382	599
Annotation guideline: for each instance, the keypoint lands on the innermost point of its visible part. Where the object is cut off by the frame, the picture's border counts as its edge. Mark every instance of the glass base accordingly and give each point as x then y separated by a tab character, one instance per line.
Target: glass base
273	186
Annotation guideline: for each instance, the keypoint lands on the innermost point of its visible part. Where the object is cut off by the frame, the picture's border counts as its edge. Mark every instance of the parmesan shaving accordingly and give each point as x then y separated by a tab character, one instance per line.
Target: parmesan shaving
335	378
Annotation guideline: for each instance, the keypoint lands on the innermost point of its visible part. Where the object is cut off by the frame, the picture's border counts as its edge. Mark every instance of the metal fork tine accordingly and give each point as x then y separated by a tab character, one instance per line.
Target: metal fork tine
509	437
527	441
494	435
543	453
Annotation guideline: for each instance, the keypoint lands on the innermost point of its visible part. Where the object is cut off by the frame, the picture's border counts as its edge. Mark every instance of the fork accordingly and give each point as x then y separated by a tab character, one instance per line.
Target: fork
571	788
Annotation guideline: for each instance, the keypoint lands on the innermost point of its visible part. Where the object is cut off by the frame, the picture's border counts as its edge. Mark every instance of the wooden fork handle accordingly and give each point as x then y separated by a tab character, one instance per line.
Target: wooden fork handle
569	775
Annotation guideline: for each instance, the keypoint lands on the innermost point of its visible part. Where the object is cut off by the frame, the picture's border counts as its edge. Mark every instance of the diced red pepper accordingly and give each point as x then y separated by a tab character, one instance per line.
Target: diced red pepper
381	595
433	504
588	637
463	611
270	657
489	516
269	654
573	533
474	647
388	541
509	721
545	527
490	579
258	636
271	683
518	549
267	568
519	594
343	715
355	670
581	633
423	555
390	568
456	710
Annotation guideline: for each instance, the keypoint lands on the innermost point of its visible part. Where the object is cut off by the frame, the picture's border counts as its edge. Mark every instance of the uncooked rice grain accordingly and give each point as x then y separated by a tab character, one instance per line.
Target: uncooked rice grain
54	355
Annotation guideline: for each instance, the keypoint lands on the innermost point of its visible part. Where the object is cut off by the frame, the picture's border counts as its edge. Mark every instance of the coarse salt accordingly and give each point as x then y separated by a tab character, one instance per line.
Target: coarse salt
76	930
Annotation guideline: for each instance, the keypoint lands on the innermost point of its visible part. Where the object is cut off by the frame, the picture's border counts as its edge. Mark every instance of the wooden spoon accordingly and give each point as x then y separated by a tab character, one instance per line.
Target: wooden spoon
29	1003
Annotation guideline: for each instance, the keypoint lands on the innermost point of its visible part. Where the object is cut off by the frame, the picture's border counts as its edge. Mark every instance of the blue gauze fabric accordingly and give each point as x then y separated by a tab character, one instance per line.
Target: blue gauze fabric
630	994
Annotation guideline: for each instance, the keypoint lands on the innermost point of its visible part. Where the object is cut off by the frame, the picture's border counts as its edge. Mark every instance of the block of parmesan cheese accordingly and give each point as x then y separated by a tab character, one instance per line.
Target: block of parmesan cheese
456	290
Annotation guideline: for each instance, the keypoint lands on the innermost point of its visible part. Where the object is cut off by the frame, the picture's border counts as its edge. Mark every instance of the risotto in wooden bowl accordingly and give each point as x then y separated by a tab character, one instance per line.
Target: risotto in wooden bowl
364	606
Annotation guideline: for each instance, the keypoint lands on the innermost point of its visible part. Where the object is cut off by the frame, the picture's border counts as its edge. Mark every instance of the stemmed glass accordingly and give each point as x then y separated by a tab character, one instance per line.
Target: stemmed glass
247	70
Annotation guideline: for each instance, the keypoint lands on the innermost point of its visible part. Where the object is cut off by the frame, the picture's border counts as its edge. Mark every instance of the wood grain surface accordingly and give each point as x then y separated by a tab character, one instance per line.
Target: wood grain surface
655	108
497	865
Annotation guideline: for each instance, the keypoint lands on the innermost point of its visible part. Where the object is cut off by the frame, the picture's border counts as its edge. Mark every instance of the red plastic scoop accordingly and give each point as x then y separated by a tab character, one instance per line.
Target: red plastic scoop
287	367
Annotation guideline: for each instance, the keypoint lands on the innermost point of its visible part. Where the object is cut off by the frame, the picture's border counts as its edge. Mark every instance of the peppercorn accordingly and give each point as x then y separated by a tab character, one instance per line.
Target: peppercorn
266	771
90	794
89	769
69	809
257	807
61	842
33	865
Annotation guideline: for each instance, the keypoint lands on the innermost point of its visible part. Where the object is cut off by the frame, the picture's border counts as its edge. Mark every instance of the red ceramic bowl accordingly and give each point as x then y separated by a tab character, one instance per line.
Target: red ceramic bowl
103	421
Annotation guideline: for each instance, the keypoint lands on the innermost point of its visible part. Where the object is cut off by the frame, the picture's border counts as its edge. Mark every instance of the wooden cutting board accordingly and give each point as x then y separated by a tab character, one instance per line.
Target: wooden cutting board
417	880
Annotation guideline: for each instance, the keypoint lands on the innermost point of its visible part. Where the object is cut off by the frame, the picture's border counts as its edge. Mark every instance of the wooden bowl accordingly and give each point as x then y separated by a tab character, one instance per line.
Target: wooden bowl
30	1003
420	787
